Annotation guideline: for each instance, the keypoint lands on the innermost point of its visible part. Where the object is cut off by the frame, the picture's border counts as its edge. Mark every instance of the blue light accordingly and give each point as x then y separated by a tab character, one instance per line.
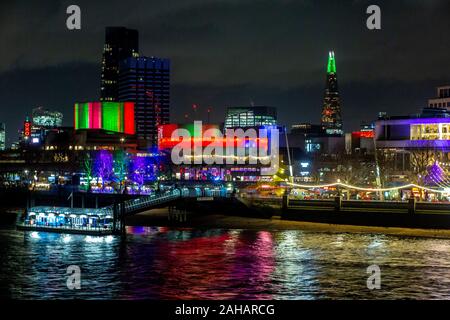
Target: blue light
304	164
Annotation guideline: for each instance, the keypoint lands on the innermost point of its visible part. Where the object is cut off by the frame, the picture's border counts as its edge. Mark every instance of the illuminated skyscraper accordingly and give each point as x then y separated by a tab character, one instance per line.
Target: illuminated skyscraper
331	119
146	82
120	43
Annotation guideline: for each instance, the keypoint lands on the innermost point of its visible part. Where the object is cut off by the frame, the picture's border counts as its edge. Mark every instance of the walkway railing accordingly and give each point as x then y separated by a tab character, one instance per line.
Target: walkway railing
147	202
339	204
143	203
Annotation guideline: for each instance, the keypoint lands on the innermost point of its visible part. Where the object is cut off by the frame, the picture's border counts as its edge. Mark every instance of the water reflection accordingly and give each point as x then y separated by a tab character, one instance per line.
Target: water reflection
163	263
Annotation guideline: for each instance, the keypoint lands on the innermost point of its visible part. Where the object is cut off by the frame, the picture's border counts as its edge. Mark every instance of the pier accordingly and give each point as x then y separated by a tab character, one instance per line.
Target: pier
111	219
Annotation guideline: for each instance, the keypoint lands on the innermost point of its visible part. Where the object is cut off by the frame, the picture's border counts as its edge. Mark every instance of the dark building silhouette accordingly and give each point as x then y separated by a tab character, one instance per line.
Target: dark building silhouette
331	119
120	43
146	82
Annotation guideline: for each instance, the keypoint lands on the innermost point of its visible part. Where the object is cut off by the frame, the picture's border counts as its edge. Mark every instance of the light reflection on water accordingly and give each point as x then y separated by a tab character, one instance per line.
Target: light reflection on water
163	263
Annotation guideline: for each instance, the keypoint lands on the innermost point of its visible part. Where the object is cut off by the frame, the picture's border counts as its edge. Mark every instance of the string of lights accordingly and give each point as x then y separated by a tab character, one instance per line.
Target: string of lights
227	157
348	186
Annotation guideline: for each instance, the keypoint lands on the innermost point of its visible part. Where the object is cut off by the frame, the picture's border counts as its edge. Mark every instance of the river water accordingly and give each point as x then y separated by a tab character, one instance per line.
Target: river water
163	263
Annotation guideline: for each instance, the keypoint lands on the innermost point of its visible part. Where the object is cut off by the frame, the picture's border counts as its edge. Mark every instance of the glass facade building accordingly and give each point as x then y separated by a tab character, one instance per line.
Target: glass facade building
242	117
430	131
146	82
120	43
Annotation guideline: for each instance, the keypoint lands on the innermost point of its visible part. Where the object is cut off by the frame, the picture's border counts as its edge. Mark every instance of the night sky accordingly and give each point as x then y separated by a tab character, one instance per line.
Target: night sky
230	53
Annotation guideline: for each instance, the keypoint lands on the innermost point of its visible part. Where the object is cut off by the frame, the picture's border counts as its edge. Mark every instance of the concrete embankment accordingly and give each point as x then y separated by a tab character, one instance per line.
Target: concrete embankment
268	215
158	217
373	219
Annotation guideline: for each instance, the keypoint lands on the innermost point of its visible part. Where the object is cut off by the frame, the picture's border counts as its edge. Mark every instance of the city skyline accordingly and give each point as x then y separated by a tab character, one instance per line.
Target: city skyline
243	151
370	74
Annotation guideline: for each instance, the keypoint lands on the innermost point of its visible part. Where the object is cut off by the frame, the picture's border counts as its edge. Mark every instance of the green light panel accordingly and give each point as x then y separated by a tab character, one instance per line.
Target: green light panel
331	68
82	115
75	117
111	116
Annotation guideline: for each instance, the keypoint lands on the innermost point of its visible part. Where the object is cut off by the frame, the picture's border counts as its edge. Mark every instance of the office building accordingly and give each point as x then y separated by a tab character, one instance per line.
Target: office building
442	99
361	142
146	82
45	118
2	137
307	130
120	43
412	144
253	116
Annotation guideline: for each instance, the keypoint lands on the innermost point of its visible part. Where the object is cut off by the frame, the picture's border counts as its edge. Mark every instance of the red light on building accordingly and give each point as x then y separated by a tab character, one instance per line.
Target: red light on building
165	140
363	134
129	118
27	128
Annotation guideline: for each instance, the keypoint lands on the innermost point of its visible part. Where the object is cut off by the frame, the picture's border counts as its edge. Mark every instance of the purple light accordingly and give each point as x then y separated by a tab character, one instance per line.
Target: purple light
138	170
436	175
415	121
103	165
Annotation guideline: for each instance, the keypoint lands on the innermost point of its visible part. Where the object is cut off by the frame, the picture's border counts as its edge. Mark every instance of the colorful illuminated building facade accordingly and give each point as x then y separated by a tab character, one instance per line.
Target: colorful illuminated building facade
108	116
412	144
331	119
120	43
407	132
362	141
226	166
254	116
146	82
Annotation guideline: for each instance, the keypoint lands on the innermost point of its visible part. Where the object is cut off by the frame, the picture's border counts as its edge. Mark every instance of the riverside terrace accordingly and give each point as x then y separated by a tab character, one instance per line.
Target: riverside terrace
204	201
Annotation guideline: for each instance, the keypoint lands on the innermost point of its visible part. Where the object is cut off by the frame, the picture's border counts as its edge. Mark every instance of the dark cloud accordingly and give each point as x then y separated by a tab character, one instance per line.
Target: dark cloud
228	52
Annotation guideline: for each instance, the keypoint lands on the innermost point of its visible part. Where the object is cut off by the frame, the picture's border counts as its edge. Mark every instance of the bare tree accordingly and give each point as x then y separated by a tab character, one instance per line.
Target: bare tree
88	169
386	164
420	160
